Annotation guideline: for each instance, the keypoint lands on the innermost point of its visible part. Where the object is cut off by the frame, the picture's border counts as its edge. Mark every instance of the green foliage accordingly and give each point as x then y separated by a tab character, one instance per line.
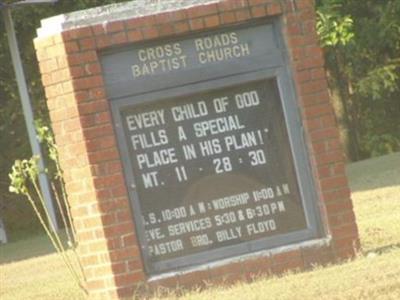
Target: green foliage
334	30
45	136
23	172
24	177
379	81
362	48
378	144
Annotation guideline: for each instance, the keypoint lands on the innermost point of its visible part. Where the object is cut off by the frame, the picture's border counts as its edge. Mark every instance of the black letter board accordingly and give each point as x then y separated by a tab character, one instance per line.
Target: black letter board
214	161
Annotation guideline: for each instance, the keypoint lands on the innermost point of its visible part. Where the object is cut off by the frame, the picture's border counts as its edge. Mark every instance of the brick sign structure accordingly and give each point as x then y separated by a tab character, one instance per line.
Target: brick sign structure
197	140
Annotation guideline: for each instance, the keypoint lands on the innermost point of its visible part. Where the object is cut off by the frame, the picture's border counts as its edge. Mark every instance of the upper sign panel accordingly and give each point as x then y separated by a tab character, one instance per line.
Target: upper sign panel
152	66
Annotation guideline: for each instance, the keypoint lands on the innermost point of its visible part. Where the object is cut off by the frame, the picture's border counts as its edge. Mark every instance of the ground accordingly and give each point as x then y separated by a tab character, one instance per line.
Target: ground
29	270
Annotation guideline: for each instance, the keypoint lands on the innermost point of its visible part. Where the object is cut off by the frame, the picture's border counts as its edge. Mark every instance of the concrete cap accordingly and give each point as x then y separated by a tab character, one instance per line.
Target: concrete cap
112	12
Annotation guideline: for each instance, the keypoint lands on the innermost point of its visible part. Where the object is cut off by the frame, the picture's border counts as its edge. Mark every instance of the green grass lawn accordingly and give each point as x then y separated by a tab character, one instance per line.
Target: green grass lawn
28	271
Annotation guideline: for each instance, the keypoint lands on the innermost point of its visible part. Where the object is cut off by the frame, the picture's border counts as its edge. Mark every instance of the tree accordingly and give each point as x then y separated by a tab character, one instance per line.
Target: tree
362	49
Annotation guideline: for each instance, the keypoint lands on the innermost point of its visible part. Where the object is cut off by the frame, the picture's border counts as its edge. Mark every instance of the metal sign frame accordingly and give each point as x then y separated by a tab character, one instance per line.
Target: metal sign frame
277	70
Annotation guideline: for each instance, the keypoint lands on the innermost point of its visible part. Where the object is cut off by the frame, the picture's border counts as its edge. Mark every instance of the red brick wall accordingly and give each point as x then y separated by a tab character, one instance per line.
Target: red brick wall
81	119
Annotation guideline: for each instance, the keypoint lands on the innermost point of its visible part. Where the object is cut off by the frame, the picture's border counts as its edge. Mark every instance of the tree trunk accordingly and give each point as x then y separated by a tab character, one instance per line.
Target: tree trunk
349	115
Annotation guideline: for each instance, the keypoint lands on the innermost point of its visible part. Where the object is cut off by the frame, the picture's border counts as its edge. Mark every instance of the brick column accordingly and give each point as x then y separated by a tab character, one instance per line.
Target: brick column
81	120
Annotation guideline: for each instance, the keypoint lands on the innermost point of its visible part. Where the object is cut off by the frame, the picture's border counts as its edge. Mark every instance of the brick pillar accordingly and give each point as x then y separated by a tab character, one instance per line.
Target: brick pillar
81	120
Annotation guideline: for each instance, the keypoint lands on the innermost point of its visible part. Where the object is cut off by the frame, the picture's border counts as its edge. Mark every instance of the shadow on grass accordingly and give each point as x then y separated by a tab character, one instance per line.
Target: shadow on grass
34	246
374	173
382	250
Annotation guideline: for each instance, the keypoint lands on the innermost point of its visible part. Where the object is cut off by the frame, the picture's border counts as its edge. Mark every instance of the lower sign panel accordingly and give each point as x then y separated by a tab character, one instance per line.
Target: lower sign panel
214	174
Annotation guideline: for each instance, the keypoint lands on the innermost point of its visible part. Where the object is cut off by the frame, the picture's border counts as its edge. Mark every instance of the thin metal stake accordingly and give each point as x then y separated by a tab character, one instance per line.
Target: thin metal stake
28	113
